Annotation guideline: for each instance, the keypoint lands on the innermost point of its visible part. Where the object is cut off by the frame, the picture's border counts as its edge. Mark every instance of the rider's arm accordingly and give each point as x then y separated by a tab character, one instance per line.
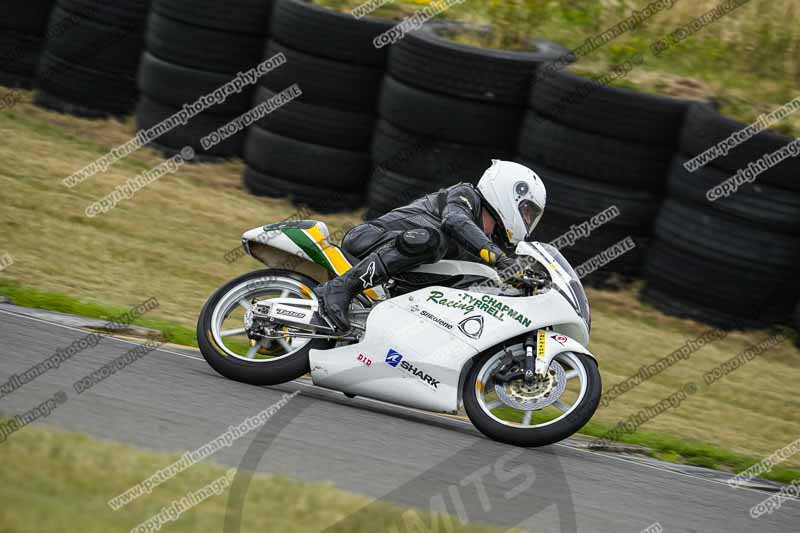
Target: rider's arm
462	207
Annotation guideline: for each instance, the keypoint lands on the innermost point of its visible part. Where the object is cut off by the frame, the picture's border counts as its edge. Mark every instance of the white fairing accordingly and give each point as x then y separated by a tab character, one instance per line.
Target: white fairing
416	345
464	268
275	239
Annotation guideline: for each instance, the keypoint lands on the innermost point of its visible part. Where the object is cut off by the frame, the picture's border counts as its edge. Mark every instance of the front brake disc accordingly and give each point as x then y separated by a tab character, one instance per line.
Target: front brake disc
542	392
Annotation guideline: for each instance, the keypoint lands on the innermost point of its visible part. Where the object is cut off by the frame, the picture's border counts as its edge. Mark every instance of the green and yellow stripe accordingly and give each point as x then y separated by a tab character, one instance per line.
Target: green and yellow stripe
313	242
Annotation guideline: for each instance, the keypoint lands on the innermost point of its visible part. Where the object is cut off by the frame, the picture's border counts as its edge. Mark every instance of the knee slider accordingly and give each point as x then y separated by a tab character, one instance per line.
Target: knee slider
417	242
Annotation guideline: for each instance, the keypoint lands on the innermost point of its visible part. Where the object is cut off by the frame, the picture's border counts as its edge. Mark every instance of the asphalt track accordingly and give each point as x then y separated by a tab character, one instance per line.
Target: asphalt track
172	400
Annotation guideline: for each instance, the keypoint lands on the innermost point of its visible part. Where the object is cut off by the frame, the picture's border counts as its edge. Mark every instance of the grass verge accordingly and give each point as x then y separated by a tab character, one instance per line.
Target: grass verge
677	450
54	301
58	482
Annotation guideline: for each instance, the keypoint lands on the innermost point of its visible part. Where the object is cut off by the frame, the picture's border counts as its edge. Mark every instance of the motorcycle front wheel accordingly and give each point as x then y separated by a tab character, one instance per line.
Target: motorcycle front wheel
545	411
223	336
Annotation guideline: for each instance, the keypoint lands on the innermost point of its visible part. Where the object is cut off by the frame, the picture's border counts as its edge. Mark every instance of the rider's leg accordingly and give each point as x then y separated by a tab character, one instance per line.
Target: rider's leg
405	250
364	239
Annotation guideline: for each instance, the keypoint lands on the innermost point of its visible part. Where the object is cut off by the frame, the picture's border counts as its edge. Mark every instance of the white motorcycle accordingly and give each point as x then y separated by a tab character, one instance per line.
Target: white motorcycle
441	336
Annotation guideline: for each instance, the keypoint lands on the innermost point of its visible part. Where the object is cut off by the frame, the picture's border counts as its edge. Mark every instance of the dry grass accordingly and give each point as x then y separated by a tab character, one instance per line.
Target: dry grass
59	482
169	242
753	411
169	239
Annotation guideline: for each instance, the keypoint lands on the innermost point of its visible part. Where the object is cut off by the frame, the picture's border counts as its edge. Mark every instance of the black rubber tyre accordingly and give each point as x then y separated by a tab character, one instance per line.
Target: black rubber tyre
25	16
388	190
428	59
586	105
723	264
685	283
176	85
262	373
306	163
557	222
126	14
674	305
326	33
574	201
235	16
763	205
446	117
316	124
704	127
149	113
430	158
325	82
532	437
69	107
796	320
89	63
82	91
584	199
19	54
95	45
202	48
594	156
318	198
724	239
13	81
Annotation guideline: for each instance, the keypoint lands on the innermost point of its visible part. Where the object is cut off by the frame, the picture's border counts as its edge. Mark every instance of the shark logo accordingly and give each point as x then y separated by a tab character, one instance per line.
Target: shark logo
393	358
472	326
369	273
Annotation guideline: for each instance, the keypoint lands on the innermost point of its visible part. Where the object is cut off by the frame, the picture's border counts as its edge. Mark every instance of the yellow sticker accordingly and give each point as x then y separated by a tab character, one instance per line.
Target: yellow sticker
540	345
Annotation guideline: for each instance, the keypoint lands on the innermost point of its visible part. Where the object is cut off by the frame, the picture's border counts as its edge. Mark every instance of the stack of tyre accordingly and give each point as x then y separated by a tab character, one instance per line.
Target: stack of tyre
193	48
727	259
796	322
90	57
446	110
314	149
22	28
598	147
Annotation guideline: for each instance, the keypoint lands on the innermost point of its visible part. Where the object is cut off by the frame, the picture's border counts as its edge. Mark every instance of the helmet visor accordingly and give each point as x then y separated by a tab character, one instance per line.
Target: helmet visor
531	213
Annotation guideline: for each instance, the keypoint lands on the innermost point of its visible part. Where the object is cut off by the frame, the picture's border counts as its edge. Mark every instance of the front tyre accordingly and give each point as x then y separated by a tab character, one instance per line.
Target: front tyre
224	339
532	414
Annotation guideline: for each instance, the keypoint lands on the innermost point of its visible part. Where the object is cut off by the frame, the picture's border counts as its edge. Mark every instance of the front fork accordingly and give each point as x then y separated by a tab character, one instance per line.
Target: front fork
530	358
535	361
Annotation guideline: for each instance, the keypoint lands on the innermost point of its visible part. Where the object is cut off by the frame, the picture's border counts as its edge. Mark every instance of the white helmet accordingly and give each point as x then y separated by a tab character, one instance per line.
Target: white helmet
516	196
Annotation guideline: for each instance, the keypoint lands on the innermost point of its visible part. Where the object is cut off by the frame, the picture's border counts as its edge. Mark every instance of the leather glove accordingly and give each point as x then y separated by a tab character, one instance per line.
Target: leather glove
505	262
508	267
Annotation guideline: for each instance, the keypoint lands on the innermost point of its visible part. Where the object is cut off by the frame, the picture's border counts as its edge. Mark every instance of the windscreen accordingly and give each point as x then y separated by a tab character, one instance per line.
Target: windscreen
574	284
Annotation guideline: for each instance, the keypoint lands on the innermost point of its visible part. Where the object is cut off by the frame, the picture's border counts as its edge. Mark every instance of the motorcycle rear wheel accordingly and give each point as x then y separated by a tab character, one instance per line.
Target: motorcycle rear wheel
228	349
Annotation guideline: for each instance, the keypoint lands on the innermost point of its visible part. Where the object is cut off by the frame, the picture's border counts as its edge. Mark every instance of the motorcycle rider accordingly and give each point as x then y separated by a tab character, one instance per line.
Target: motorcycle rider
462	220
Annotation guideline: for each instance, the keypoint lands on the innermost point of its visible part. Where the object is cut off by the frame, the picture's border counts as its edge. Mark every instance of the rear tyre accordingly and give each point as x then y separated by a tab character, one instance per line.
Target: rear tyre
225	345
539	426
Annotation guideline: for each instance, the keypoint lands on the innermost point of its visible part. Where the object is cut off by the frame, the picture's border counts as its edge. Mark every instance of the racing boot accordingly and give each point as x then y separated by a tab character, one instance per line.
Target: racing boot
335	296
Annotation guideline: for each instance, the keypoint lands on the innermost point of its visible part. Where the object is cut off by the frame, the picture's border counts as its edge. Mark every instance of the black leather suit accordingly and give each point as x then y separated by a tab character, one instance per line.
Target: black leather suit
453	216
445	224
